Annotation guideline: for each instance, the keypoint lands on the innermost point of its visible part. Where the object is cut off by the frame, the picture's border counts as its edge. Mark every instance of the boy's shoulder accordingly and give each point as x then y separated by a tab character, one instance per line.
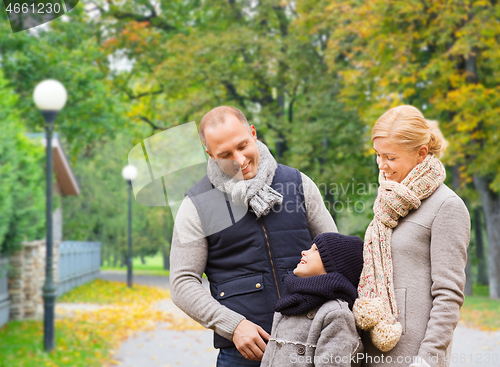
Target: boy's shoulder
334	307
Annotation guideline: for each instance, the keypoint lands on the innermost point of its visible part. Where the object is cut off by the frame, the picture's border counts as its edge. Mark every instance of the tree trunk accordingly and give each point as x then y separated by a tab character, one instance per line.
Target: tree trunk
281	147
143	260
469	280
280	142
482	267
166	260
329	197
491	209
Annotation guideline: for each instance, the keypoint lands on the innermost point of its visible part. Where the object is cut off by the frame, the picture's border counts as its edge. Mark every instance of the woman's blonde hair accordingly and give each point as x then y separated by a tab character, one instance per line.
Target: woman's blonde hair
406	127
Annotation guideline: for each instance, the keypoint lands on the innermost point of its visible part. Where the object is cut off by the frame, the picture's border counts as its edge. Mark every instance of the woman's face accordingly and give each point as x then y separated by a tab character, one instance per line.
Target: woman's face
395	162
310	264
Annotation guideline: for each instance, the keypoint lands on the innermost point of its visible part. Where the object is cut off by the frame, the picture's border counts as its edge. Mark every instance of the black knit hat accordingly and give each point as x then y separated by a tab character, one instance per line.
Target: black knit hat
341	254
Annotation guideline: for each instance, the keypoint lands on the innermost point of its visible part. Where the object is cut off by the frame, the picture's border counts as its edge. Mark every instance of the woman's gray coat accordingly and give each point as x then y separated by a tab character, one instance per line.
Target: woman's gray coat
429	253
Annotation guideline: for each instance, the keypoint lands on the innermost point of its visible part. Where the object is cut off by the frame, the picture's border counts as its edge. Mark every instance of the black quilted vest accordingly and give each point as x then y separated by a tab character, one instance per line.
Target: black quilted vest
248	259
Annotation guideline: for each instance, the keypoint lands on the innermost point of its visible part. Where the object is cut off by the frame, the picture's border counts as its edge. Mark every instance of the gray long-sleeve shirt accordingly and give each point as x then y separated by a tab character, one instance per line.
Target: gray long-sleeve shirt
188	259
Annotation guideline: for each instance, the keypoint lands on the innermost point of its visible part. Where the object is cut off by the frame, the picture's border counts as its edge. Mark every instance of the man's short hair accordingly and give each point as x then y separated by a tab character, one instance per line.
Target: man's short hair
217	116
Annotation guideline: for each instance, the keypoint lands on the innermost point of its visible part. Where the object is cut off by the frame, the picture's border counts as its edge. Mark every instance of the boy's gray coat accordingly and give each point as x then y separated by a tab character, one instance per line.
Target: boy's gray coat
326	336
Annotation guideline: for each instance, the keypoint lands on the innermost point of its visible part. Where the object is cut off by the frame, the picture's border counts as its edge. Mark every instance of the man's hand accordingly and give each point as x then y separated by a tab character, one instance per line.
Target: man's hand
249	340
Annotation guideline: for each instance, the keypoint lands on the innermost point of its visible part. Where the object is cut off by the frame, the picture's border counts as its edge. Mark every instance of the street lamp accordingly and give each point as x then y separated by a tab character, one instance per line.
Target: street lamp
50	97
129	173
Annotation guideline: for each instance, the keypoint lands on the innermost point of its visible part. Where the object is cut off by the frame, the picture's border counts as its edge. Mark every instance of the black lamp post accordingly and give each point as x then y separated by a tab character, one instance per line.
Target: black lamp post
50	97
129	173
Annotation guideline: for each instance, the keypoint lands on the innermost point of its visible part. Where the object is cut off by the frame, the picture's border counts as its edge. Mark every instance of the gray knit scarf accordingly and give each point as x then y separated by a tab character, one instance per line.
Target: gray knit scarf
256	191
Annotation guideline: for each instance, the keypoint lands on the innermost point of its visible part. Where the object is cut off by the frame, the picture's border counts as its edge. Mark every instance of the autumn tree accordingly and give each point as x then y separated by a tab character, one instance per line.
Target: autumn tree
440	56
187	57
66	50
163	63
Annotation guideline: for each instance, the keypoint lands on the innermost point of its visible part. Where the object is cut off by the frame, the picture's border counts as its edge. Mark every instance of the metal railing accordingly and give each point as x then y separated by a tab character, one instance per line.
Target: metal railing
79	263
4	292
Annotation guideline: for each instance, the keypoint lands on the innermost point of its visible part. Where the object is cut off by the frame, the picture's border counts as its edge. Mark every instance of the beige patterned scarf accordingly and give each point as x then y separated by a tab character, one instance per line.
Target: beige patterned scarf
376	308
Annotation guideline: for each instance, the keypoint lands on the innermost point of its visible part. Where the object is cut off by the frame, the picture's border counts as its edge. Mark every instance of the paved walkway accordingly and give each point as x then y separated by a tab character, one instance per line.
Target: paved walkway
475	348
163	347
191	348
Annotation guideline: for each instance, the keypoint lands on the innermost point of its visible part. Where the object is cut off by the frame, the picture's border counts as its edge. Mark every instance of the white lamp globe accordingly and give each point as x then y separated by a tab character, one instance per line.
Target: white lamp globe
50	95
129	172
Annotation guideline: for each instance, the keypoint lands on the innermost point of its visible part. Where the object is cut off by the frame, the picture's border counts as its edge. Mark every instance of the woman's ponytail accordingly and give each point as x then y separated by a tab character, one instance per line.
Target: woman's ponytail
407	127
437	143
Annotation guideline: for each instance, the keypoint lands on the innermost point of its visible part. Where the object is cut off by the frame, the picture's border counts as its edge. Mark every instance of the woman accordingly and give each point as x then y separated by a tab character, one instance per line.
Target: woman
411	287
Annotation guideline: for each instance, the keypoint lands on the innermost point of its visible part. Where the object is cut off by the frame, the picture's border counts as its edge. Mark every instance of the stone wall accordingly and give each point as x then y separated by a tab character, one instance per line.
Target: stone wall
26	280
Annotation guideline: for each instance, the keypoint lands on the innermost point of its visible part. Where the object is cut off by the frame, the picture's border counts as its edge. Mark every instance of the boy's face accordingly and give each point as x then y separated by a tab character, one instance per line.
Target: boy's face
310	264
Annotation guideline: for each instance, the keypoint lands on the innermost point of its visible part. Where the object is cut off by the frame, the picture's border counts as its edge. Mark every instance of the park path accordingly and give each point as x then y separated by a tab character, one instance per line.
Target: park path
164	348
475	348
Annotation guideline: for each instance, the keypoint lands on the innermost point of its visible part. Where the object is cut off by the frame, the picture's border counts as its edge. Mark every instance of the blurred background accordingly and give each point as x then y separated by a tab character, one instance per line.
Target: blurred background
313	76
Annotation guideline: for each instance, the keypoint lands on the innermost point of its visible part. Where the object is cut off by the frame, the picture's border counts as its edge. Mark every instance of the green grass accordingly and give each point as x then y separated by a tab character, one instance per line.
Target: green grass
163	273
481	290
153	266
85	340
105	292
481	312
22	346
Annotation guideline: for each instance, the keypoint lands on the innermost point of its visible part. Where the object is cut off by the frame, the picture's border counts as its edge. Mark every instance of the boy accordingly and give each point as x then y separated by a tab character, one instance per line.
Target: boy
313	324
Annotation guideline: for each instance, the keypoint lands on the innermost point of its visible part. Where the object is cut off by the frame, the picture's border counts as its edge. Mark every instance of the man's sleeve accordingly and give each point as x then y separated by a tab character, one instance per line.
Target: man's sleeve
188	258
319	219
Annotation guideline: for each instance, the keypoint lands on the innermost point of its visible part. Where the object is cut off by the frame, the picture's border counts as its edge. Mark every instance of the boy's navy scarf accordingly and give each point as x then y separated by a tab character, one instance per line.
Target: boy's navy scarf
305	294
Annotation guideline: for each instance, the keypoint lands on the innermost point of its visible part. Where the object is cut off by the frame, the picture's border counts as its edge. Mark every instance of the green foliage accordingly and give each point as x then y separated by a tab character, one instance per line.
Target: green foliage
100	212
481	290
440	56
258	57
69	52
22	196
312	76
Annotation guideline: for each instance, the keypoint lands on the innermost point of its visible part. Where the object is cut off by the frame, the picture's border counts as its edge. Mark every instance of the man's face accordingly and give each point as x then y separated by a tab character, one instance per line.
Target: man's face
234	147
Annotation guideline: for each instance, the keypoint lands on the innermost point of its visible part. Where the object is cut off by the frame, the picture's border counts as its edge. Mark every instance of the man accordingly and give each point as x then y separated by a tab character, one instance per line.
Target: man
246	261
